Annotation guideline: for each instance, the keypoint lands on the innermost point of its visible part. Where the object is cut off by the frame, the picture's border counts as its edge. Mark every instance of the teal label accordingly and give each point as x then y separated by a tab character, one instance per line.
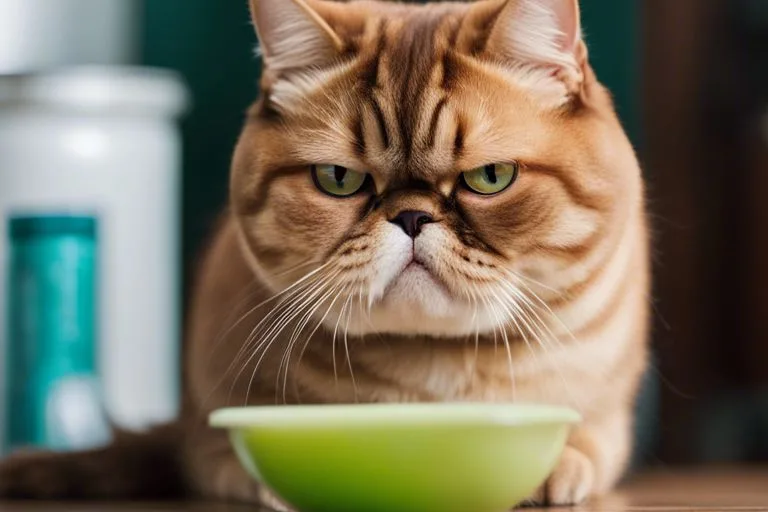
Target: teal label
54	400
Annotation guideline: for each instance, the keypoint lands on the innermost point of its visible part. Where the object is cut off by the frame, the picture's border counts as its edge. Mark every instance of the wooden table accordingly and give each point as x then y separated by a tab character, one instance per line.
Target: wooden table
694	491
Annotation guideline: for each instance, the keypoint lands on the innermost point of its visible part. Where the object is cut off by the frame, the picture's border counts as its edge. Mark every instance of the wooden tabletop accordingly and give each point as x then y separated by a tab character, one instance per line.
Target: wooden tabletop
743	490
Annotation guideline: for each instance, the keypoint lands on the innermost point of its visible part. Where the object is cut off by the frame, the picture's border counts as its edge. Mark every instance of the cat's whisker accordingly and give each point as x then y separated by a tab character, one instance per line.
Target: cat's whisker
543	304
291	293
541	334
285	359
521	324
301	324
333	347
281	306
361	309
302	300
519	299
277	312
541	337
349	357
510	308
522	277
337	292
342	312
288	315
302	310
475	322
496	324
500	325
222	336
532	308
523	321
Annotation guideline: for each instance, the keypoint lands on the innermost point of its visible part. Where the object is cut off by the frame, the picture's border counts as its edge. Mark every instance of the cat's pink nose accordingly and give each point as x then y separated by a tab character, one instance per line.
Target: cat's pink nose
412	221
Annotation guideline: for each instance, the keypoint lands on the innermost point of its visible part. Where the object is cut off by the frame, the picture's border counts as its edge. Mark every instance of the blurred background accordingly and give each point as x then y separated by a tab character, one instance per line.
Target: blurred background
690	79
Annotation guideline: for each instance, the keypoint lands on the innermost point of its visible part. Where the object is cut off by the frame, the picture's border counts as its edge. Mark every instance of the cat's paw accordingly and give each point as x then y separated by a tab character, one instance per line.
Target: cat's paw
570	483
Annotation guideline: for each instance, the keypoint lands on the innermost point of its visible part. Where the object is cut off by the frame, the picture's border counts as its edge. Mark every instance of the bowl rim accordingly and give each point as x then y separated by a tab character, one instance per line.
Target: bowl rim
347	416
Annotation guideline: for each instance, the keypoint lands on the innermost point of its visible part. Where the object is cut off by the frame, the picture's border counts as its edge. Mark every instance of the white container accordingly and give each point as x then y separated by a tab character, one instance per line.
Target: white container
40	34
105	141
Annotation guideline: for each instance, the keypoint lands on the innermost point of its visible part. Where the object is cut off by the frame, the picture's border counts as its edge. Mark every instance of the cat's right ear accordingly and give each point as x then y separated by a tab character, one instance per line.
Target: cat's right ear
543	35
293	35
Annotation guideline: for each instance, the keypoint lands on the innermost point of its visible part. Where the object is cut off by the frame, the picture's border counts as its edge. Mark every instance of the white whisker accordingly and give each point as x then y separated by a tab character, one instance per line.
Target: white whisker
349	358
288	315
501	325
338	294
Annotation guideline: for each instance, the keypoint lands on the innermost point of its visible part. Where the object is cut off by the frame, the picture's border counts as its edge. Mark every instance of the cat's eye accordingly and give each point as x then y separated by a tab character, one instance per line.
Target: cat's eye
337	180
491	179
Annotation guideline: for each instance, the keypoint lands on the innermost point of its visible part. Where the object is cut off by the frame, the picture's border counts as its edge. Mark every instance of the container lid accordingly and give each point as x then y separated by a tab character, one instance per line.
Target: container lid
52	225
126	89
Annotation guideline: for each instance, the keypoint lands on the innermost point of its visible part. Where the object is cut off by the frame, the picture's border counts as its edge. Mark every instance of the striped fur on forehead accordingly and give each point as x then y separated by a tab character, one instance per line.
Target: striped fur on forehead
409	43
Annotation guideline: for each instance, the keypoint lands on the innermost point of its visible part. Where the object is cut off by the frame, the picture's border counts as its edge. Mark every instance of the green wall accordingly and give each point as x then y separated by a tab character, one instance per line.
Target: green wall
611	29
211	43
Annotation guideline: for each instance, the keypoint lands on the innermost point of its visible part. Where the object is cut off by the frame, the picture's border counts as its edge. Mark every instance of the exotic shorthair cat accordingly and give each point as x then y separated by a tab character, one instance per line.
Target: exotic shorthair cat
428	203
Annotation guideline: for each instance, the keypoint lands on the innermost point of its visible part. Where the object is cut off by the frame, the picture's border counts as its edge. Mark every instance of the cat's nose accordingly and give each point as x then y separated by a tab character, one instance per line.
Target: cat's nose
412	221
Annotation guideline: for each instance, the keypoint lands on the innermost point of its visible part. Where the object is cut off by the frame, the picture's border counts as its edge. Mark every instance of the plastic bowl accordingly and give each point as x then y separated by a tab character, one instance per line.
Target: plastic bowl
399	457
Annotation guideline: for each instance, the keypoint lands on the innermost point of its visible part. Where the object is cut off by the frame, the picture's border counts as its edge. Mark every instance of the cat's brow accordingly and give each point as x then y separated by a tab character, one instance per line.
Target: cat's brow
459	138
381	120
435	121
412	62
370	84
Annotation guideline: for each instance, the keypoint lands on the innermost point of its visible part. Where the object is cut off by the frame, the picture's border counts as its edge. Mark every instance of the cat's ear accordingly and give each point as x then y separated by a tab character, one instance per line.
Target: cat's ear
541	33
292	34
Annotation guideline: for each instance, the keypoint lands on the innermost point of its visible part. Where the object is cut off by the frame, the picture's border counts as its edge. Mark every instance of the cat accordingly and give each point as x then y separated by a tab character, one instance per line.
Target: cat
428	203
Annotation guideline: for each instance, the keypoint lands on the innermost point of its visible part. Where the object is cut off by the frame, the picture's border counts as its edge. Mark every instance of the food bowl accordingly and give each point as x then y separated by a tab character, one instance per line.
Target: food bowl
399	457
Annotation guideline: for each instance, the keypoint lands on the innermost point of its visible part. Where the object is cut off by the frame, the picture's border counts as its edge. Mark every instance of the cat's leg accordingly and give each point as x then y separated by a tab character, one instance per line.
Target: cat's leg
592	462
216	473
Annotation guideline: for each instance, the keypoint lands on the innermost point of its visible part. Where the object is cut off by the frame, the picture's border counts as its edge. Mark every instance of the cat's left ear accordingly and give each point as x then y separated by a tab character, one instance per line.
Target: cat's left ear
293	34
544	34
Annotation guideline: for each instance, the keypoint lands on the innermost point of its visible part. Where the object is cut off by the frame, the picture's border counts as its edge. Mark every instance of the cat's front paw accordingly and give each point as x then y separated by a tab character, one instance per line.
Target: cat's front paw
570	483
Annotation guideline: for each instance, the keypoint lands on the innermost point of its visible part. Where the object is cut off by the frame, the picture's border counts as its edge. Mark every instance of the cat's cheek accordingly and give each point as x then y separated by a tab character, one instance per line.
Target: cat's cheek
512	222
303	220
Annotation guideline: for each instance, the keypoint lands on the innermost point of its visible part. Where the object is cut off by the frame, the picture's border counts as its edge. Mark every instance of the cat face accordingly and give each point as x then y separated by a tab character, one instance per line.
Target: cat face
428	169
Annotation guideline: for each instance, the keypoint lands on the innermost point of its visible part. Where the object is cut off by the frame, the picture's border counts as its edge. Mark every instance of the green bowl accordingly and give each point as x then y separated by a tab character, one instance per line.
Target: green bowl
399	457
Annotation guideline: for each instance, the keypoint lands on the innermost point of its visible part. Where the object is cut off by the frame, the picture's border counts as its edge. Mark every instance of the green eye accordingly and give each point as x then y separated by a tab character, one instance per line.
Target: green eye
337	180
491	179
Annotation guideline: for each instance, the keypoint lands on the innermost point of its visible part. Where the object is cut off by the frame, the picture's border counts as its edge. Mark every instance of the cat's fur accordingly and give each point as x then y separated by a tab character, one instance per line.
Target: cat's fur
537	294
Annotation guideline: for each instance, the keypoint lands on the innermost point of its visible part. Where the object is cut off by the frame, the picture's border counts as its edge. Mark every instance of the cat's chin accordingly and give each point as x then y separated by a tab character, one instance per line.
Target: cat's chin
407	318
418	286
418	303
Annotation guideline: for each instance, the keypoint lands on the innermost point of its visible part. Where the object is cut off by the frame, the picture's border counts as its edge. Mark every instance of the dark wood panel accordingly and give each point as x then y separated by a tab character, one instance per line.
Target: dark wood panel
674	45
706	159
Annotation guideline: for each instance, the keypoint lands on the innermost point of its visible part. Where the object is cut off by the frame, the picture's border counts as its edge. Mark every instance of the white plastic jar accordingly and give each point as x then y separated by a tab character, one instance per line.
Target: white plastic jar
104	141
40	34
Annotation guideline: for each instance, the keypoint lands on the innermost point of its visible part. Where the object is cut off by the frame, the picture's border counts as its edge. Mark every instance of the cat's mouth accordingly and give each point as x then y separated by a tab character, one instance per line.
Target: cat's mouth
417	283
